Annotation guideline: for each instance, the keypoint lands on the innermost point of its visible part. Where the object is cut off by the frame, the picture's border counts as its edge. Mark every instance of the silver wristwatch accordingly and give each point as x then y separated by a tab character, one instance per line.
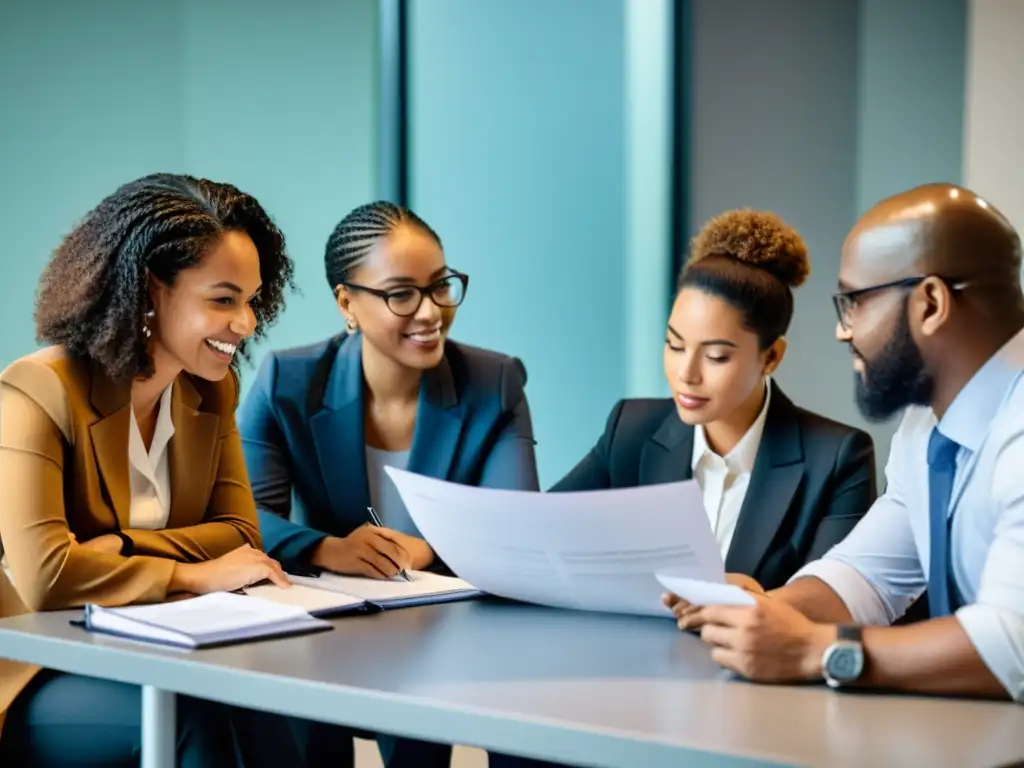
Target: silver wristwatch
843	661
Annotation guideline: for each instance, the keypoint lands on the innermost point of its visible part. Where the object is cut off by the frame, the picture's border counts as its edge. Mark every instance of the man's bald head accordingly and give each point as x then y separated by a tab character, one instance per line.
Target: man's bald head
936	229
929	290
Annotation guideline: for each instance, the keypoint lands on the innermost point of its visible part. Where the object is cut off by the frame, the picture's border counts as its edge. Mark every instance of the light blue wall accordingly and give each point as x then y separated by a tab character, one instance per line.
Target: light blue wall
89	98
517	152
94	94
650	215
281	100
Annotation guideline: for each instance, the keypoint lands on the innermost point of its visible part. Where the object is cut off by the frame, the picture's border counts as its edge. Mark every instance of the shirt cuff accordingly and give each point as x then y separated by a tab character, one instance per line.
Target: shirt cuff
996	636
856	592
299	551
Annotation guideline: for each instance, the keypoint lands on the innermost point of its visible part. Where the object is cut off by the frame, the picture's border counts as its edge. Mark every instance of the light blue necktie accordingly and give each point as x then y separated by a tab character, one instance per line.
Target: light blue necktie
941	471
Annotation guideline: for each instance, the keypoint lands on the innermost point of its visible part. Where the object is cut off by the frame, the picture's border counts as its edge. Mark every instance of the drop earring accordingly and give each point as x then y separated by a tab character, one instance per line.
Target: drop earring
350	324
146	330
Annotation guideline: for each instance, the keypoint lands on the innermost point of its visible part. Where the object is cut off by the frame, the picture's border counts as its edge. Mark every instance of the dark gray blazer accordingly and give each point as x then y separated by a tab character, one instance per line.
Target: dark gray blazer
813	479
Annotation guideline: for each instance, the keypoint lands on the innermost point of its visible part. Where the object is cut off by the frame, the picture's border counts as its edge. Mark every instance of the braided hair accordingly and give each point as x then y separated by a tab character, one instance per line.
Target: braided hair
356	235
94	292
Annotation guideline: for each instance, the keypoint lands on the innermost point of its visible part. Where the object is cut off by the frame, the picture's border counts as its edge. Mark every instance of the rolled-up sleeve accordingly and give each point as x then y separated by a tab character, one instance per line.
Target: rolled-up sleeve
859	595
876	570
995	621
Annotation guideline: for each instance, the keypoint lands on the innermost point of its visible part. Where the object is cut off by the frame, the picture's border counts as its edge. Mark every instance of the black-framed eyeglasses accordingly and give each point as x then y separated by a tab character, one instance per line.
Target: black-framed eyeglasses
405	301
846	301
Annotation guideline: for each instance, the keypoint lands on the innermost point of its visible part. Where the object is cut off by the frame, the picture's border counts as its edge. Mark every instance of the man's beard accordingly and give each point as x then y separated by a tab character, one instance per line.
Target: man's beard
895	378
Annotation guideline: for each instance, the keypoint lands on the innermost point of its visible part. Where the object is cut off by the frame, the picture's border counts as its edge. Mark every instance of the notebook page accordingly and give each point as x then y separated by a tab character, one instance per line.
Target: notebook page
212	613
306	598
372	590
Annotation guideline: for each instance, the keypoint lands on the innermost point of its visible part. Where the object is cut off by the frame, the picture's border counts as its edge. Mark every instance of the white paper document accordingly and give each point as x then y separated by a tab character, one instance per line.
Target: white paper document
591	550
706	592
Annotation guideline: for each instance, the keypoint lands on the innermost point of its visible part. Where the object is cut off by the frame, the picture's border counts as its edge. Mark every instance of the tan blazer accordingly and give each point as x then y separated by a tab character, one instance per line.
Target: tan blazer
64	477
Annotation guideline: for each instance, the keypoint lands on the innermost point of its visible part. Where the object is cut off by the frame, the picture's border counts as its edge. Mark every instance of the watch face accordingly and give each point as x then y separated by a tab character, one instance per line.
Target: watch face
845	662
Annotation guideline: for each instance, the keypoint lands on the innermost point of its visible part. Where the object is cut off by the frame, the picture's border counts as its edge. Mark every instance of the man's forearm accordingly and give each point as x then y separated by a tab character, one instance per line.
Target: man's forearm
927	657
933	656
815	600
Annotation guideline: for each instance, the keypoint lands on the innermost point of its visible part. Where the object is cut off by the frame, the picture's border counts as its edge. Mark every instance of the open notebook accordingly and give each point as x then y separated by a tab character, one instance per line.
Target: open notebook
219	618
330	594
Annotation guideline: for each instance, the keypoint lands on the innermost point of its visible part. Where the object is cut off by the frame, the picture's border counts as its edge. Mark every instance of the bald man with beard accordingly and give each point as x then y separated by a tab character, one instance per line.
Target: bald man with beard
931	307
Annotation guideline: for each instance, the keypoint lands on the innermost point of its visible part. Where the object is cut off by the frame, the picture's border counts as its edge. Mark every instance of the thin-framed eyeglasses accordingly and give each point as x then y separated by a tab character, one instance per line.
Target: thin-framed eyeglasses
846	301
405	301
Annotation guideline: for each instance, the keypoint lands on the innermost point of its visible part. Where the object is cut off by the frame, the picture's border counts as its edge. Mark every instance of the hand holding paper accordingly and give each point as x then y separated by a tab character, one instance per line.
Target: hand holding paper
698	592
688	597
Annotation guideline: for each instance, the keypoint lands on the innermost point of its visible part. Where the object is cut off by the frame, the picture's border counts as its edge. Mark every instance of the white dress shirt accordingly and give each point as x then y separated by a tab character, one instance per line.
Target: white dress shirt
149	471
723	480
882	566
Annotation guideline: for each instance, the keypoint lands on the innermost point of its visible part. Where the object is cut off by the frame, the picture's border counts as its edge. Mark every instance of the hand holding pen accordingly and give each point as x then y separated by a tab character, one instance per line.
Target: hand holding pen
370	550
375	520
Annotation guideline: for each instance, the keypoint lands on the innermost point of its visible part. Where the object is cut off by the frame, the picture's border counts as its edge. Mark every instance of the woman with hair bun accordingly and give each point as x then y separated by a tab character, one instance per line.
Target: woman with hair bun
780	484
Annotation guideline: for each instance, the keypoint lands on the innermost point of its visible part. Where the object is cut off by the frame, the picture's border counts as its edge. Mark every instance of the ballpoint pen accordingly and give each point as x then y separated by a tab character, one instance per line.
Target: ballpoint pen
376	521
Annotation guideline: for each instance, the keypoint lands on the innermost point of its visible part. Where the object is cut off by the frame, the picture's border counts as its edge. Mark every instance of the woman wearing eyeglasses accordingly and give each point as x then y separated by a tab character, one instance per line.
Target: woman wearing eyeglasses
323	422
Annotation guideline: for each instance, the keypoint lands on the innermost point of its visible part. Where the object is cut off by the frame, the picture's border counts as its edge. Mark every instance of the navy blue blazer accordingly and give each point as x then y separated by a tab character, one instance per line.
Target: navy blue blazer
813	479
302	432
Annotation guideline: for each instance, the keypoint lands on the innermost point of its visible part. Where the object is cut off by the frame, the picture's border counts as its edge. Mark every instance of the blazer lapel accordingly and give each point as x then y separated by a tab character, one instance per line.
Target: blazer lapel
438	426
668	455
109	438
339	435
192	455
778	471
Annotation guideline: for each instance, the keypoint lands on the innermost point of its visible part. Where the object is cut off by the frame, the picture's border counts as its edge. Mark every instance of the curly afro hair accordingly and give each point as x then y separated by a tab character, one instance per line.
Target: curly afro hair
94	292
757	238
752	260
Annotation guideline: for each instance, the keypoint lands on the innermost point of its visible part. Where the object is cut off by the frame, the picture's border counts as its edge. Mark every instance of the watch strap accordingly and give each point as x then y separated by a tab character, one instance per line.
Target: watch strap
849	632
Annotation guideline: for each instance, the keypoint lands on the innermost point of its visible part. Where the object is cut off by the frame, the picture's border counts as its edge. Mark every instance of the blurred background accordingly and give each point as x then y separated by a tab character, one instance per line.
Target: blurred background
565	150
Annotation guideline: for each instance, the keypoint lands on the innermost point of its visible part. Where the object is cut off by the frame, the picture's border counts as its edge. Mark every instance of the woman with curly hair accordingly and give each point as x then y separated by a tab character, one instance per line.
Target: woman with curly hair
780	484
121	467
